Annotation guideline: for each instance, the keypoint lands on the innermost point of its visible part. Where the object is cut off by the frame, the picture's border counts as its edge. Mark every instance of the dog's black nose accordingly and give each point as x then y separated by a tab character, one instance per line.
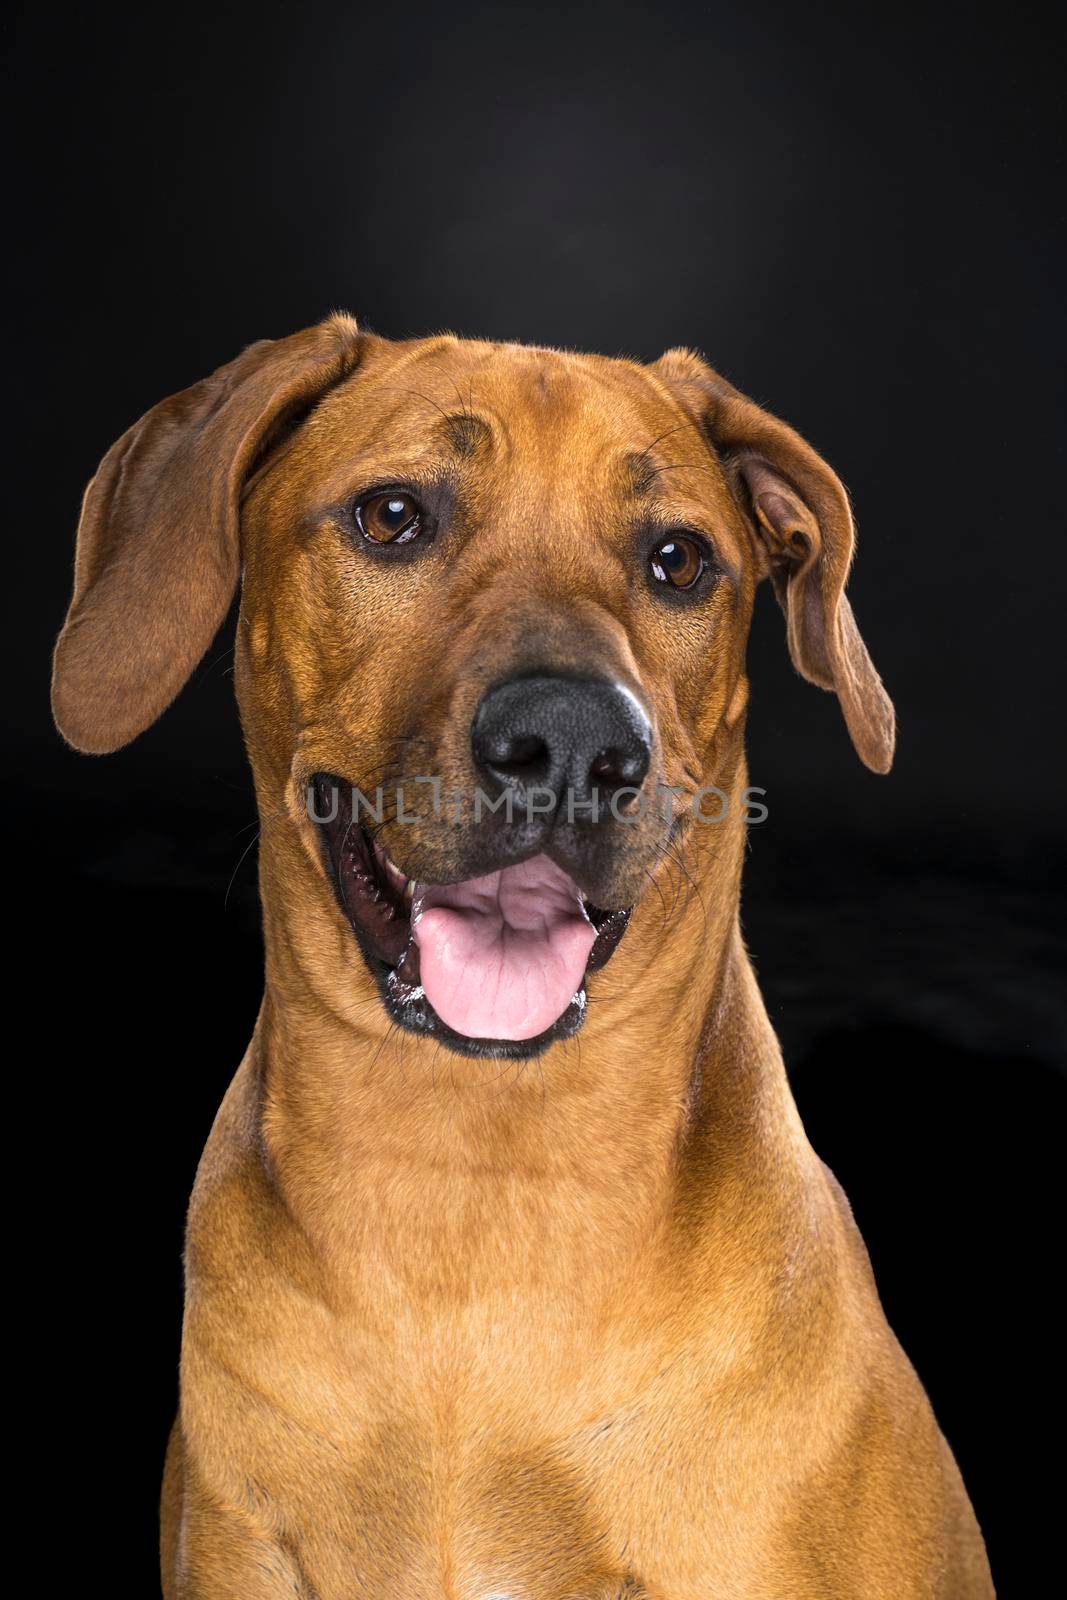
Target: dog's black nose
565	736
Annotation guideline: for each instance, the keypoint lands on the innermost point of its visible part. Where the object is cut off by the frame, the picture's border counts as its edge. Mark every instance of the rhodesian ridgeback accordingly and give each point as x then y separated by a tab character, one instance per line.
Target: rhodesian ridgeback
510	1273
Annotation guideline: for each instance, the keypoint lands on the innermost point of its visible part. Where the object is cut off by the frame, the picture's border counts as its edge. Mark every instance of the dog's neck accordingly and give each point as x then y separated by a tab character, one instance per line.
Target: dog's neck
387	1147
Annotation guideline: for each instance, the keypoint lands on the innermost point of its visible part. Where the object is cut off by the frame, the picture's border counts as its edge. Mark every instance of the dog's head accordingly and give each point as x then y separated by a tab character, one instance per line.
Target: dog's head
495	601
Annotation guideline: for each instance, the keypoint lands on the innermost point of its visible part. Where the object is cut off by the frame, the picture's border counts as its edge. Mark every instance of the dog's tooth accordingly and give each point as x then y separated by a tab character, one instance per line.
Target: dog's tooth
392	872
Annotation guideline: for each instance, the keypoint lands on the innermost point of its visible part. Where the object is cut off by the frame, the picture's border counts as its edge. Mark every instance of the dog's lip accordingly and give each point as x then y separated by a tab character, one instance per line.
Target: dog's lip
377	896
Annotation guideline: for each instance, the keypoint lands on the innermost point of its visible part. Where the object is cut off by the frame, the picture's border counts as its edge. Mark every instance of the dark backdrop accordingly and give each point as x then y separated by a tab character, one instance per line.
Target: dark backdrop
855	217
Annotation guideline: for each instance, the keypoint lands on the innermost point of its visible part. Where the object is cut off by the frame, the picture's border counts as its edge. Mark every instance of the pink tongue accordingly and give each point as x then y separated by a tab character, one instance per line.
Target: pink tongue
502	957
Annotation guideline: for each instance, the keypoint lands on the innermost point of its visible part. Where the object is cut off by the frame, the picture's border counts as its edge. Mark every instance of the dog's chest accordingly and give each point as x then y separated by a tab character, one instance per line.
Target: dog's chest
412	1519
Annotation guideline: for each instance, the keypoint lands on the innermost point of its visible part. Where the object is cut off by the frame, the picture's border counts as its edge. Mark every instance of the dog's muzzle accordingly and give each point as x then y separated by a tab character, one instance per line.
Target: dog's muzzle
496	962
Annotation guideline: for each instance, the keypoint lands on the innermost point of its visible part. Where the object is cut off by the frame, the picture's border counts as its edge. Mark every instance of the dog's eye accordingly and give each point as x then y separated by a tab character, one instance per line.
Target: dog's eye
389	518
678	561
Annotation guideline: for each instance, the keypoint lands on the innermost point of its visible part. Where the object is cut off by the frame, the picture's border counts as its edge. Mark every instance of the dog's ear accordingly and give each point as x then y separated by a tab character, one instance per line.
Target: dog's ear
800	513
158	555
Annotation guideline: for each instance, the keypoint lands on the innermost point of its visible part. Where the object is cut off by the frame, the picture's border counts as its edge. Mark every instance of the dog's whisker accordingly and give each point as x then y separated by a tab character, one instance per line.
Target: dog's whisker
385	1039
683	466
223	655
249	846
645	454
417	394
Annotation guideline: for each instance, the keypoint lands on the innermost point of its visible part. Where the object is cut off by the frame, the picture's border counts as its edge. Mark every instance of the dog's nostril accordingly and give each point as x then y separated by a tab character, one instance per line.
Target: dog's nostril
519	756
615	769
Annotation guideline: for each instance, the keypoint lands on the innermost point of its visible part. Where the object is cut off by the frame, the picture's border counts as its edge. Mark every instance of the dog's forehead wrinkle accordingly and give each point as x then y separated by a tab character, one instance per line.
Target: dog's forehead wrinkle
549	410
463	432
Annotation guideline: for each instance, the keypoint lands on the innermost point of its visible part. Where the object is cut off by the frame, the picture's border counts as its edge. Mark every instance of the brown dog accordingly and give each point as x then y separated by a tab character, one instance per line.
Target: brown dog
597	1327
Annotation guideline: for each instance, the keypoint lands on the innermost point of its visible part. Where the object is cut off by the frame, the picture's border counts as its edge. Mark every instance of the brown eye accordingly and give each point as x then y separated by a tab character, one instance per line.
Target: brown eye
389	518
678	561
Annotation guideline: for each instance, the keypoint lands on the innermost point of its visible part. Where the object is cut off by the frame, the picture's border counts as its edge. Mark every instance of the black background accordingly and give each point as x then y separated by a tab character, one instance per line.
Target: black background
856	218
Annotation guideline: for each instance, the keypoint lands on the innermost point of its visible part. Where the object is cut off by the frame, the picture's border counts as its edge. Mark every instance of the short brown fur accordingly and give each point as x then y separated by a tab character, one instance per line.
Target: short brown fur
594	1327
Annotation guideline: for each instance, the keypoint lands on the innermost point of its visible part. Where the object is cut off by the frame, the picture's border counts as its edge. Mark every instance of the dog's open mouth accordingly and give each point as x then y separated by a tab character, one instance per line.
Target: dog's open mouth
493	965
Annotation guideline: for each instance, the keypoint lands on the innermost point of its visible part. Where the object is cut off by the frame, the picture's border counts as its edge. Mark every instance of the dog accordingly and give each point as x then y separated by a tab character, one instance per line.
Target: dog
510	1273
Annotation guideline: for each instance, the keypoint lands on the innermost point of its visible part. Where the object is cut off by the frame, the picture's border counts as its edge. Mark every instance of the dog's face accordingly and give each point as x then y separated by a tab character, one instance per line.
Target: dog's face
501	595
491	648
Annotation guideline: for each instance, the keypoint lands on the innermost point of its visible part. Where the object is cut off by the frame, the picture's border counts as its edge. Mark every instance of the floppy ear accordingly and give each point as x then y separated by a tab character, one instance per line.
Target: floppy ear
158	555
800	512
